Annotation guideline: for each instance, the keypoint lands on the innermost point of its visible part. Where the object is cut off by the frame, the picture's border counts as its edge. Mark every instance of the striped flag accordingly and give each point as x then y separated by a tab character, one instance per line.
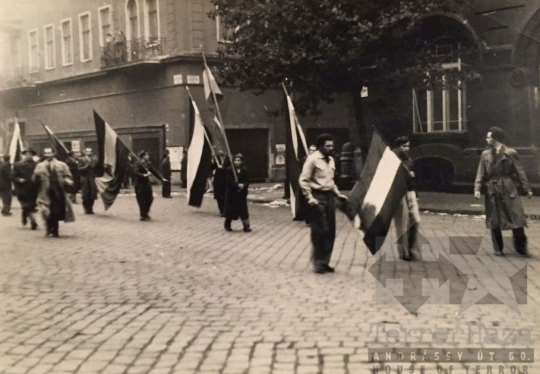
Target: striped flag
296	150
377	194
199	158
210	85
112	163
15	147
60	149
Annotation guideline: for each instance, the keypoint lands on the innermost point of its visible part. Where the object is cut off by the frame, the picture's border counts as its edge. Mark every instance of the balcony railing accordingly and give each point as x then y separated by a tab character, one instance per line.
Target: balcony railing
121	52
18	77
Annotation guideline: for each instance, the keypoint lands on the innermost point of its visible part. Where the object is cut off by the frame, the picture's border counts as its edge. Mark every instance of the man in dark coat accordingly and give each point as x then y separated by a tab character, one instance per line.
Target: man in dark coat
183	169
5	186
87	169
143	189
498	172
73	166
25	188
236	196
166	173
220	186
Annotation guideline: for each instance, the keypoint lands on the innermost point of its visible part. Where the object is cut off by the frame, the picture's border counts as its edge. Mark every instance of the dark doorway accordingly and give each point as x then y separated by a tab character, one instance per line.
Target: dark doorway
151	145
253	144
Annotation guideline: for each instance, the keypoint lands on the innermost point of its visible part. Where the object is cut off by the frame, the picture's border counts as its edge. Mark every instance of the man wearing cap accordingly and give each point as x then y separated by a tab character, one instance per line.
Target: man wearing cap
25	188
52	175
236	196
87	166
5	186
498	172
143	188
320	190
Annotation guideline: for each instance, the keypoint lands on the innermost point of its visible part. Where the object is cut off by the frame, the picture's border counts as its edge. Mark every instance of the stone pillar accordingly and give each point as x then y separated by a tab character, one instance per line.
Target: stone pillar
358	163
347	177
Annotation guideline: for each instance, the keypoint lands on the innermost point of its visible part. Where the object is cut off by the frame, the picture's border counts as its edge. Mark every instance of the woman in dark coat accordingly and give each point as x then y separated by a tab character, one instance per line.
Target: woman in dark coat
236	195
25	188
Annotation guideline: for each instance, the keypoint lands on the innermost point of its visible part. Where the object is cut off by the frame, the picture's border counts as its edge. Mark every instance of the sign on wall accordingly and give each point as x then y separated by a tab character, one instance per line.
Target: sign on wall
280	154
176	154
193	79
177	79
76	145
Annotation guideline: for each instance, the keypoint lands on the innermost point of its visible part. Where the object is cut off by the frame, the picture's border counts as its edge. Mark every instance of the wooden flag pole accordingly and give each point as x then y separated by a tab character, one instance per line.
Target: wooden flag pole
205	134
220	119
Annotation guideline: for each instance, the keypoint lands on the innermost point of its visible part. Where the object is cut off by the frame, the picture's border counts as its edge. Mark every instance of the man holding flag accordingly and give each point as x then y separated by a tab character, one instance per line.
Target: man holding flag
87	170
143	189
320	190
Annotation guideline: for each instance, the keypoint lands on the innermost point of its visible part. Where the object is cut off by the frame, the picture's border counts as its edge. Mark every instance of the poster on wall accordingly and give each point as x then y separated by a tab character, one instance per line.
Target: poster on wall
280	154
176	154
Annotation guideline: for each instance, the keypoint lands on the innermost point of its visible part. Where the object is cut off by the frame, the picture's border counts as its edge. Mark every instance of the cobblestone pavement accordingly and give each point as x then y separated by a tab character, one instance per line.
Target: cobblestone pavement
178	294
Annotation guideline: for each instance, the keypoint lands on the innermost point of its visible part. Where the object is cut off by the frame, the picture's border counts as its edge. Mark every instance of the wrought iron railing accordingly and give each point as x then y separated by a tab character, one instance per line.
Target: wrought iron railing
119	52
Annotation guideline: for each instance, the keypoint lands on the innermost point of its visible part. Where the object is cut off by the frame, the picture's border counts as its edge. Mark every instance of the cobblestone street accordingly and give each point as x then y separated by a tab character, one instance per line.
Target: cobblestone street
178	294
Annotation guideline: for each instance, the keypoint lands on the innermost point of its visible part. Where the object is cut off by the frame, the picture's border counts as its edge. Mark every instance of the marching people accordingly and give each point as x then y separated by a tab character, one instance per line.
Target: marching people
320	190
73	166
51	176
498	172
236	196
143	188
25	188
5	186
166	173
219	183
87	170
407	215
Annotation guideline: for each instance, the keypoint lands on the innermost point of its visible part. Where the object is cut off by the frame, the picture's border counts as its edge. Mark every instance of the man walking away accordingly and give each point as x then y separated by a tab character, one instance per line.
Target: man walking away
143	188
25	188
52	175
498	172
320	190
166	173
5	186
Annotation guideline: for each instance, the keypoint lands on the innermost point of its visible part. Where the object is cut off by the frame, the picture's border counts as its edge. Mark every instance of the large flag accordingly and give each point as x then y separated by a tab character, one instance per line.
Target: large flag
15	147
61	151
296	150
199	158
113	161
210	85
377	194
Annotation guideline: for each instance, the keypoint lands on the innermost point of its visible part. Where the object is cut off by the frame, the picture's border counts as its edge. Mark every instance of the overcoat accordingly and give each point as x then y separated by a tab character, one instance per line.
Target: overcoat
26	191
88	177
500	174
236	198
43	178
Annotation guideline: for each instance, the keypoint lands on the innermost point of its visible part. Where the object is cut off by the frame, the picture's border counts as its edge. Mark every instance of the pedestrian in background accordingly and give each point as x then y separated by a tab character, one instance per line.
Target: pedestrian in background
51	176
166	173
5	186
407	215
236	196
498	172
320	190
183	169
143	188
26	189
87	169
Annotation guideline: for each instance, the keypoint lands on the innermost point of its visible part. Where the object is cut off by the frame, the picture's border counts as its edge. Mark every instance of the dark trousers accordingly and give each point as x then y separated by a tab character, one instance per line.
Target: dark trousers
88	204
322	218
52	224
6	201
166	188
221	204
520	240
143	192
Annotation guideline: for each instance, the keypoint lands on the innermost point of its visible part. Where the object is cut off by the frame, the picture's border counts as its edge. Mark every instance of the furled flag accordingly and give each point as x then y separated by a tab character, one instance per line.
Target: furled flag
210	85
377	194
15	147
113	161
296	150
61	151
199	158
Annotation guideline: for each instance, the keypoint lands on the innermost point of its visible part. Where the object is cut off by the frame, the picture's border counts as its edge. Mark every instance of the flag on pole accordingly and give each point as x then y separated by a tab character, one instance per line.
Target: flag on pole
377	194
296	150
113	161
61	151
199	158
15	147
210	85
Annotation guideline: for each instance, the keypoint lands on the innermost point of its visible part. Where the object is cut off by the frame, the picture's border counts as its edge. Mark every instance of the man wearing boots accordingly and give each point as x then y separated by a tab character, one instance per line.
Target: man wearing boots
407	215
236	196
498	172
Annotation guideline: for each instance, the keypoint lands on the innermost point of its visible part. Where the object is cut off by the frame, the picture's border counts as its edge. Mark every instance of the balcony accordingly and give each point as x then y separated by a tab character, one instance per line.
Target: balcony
18	78
117	53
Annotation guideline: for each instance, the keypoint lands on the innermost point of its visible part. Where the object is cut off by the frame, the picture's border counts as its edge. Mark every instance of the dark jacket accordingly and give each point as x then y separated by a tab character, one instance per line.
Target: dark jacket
140	169
87	170
166	167
236	198
499	175
73	166
26	190
5	176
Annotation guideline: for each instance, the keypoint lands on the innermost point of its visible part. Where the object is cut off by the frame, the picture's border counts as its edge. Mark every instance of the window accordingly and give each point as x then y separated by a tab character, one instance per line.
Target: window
152	19
85	37
105	24
33	51
67	42
16	54
133	20
441	109
50	58
224	35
